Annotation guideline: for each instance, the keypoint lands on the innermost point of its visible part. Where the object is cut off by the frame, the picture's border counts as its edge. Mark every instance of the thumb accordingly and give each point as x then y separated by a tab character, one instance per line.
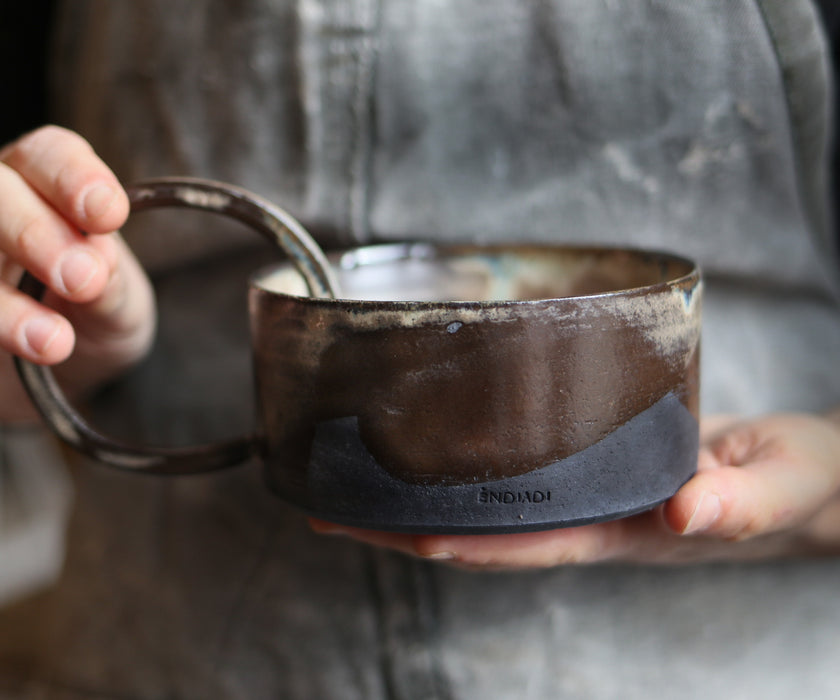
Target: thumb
759	477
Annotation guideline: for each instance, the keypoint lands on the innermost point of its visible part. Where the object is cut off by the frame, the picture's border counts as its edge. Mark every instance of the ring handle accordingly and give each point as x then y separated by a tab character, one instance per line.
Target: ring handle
273	223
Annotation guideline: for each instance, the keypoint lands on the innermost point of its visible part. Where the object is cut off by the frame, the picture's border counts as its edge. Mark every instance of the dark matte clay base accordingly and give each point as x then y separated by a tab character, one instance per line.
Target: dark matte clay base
636	467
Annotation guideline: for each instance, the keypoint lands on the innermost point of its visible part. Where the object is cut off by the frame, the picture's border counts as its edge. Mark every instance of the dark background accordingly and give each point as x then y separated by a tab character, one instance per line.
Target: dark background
24	40
24	37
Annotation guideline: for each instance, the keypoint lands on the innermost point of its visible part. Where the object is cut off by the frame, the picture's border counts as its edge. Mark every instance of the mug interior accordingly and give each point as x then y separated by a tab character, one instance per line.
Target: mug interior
428	273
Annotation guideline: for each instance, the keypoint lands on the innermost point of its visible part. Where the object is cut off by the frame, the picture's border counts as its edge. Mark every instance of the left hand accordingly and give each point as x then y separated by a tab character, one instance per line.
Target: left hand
766	487
98	311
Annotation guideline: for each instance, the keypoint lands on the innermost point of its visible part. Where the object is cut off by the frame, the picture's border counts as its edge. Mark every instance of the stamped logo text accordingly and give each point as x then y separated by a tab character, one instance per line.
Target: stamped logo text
510	497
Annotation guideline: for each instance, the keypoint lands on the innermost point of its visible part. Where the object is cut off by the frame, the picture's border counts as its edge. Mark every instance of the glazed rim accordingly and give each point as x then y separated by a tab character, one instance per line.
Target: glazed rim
688	272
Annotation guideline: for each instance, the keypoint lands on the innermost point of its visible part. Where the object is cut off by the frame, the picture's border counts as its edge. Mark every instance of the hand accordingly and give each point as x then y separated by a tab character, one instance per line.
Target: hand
767	487
98	300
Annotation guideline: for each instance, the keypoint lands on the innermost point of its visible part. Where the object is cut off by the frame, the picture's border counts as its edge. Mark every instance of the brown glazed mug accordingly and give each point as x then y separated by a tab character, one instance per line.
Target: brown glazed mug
447	388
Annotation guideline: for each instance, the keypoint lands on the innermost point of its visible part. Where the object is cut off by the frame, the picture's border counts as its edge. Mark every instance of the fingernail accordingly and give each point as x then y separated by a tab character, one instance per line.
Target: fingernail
705	514
40	333
441	556
97	200
77	270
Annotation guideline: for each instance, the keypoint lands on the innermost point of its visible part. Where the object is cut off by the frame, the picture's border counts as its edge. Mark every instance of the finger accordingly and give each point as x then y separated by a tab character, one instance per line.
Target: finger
391	540
10	271
697	508
641	538
525	550
63	168
766	482
29	330
117	328
35	236
125	300
731	503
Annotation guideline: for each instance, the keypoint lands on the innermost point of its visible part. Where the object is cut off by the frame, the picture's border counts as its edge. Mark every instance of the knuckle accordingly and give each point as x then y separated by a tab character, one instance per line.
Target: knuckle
573	557
10	270
748	529
14	316
587	553
734	447
65	181
29	147
28	237
46	145
47	137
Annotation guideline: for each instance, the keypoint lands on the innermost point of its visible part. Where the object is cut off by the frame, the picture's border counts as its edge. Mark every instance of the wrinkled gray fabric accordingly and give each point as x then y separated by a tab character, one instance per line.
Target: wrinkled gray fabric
668	125
699	127
34	503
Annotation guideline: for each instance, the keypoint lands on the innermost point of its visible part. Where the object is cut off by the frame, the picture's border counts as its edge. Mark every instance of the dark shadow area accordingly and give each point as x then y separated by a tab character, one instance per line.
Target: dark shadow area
25	29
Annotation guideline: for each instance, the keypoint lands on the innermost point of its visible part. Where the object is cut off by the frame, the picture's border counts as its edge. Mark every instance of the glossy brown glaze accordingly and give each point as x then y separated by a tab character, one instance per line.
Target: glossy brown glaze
478	390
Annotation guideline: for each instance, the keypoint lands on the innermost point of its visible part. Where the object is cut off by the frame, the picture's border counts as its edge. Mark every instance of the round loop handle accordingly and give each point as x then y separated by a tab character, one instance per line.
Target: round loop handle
272	222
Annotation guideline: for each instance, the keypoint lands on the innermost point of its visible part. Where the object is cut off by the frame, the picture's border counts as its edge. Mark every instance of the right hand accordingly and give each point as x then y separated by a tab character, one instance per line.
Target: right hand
98	309
766	487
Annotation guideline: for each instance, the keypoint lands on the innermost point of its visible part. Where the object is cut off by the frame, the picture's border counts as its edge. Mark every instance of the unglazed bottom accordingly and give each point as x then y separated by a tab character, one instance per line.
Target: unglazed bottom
637	466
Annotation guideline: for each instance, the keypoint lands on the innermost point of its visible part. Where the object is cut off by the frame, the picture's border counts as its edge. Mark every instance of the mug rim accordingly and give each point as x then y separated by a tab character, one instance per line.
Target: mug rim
390	252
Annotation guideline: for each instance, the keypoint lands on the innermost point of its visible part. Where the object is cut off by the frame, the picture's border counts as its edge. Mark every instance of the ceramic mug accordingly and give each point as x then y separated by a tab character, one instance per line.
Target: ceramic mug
420	387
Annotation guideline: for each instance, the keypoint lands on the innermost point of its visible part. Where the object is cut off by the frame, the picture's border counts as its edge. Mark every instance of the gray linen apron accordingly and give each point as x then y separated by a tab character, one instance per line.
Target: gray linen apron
698	127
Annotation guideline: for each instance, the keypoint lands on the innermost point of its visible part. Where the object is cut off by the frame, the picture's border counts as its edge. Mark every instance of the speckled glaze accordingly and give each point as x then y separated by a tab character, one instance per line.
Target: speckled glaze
547	354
